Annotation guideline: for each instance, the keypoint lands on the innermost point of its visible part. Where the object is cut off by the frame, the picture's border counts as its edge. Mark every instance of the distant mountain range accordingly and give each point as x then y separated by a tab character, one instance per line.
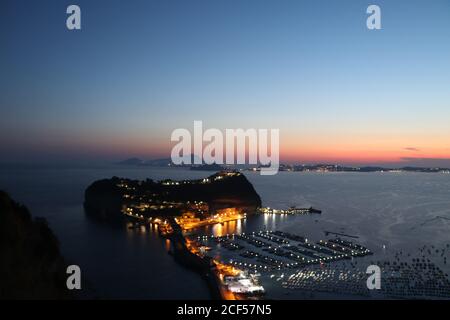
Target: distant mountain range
163	162
139	162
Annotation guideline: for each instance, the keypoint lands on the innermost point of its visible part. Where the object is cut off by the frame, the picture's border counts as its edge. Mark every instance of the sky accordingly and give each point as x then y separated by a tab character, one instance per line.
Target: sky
137	70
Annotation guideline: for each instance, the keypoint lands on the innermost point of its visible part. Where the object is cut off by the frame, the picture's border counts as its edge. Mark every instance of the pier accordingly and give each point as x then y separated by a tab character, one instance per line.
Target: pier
291	210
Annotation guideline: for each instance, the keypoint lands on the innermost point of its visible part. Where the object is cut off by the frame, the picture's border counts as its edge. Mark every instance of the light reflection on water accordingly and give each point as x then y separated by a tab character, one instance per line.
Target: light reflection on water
224	228
268	222
167	245
251	223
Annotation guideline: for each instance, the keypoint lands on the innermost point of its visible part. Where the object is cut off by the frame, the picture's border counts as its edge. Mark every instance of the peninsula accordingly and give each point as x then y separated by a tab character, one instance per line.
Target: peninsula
223	196
175	206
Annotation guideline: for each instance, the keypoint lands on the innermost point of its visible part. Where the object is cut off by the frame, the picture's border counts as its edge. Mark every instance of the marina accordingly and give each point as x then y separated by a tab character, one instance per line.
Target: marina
276	250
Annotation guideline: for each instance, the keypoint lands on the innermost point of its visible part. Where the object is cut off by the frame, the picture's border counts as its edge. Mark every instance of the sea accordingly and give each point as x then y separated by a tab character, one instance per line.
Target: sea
388	212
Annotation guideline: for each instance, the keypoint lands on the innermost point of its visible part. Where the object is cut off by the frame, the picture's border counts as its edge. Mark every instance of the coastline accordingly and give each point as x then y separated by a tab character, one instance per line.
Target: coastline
332	189
202	265
189	260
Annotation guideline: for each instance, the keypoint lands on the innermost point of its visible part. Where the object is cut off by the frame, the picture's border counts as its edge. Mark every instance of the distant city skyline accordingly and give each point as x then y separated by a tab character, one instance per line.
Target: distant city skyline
117	88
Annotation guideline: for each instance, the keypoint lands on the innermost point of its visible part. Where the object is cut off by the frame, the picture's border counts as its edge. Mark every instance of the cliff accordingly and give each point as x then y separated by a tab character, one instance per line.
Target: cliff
31	264
103	200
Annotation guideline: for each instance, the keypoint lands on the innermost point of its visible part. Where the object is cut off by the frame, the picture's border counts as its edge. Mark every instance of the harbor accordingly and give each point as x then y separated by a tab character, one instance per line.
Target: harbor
266	251
293	266
271	253
279	264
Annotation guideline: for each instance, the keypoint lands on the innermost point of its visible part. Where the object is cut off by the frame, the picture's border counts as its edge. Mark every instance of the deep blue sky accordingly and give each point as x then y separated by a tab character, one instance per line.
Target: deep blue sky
139	69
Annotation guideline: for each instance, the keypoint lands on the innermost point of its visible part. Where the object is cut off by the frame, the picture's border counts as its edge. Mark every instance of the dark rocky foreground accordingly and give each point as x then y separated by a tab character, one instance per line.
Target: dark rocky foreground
31	264
106	198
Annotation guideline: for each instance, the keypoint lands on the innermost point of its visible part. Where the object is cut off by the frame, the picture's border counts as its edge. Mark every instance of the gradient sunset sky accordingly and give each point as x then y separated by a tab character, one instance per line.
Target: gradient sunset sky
137	70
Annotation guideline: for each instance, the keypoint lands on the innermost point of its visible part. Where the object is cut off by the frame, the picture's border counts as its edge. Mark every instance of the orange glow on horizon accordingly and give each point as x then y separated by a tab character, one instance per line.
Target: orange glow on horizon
364	149
297	148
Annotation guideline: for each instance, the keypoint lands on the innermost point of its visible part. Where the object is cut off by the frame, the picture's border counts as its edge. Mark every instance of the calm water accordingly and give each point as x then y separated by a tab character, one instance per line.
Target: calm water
398	210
